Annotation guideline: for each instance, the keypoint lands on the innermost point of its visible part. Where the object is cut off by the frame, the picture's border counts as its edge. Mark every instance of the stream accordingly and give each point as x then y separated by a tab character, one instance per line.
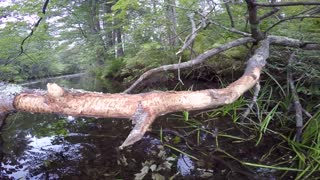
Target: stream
55	146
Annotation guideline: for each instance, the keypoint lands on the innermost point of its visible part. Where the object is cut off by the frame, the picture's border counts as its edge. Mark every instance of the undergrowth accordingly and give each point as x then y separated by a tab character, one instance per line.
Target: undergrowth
265	140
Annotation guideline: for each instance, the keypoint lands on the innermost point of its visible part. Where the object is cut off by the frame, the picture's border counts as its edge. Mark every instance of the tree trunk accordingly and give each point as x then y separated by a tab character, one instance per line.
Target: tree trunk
119	44
95	30
107	29
142	108
172	22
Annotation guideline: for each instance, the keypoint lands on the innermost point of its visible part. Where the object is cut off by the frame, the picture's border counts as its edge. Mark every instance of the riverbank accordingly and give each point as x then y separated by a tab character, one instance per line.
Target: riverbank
52	78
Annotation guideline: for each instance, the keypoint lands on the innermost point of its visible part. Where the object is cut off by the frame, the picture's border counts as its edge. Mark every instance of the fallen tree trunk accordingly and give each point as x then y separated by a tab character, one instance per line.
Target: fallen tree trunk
141	108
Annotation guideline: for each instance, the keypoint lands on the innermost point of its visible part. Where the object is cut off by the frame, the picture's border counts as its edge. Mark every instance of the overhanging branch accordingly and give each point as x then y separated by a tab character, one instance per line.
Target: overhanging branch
44	8
199	59
230	29
286	4
141	108
290	18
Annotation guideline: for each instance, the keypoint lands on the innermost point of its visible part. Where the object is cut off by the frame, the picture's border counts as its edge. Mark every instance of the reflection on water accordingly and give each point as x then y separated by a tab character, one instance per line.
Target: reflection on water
51	146
84	81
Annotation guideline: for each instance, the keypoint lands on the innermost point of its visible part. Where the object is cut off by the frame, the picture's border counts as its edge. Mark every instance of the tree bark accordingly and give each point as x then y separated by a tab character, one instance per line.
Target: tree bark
95	31
172	21
120	51
254	20
142	108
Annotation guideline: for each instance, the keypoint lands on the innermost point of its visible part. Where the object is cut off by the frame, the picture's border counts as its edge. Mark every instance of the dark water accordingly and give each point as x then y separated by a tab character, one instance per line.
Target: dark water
52	146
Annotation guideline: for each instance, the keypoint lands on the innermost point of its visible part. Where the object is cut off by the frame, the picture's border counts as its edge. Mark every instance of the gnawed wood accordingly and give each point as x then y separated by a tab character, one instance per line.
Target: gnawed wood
141	108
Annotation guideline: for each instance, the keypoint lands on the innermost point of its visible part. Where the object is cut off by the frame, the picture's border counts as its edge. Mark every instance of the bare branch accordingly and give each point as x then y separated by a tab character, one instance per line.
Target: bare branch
285	4
193	35
230	29
229	14
199	59
141	108
272	12
297	104
253	102
44	8
290	18
295	43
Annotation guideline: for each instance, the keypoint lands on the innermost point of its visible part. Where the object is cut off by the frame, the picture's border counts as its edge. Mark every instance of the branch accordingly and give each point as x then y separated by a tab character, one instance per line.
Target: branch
272	12
44	8
254	20
253	102
230	29
285	4
229	14
141	108
295	43
290	18
296	101
189	39
199	59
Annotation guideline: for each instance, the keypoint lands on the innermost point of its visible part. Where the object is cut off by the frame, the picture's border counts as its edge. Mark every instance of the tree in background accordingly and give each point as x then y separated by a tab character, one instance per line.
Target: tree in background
150	34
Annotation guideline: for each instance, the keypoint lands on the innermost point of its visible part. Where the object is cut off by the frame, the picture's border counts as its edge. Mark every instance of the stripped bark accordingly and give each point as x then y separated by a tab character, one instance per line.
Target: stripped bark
141	108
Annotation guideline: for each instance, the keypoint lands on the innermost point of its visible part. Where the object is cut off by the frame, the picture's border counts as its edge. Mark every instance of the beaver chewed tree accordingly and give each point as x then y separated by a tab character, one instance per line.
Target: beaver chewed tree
144	108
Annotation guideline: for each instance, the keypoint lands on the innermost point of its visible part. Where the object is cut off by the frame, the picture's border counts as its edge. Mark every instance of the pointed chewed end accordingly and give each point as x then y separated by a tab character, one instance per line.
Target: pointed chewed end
133	137
54	90
139	130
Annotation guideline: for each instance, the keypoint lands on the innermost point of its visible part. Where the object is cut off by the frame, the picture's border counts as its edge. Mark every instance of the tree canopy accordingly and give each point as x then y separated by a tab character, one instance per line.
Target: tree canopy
137	40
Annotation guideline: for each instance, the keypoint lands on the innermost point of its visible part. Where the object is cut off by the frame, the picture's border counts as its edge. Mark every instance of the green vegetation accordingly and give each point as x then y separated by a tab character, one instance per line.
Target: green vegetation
121	39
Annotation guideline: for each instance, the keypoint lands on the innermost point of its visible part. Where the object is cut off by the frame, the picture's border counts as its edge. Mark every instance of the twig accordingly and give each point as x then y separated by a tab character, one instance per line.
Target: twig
230	29
290	18
179	76
297	104
272	12
306	113
44	8
193	35
286	4
254	101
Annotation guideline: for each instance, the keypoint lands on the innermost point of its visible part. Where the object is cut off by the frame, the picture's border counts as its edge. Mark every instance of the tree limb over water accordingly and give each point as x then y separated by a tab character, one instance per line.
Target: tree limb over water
143	108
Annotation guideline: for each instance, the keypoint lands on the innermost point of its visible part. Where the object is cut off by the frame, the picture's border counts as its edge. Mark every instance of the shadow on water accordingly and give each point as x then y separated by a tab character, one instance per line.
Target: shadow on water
51	146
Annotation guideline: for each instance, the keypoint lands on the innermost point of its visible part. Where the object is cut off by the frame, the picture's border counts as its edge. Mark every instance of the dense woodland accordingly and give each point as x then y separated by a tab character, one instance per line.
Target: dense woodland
271	47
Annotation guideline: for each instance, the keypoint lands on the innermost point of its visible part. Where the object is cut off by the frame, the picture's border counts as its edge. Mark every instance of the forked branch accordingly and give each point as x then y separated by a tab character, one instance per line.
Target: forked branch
199	59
